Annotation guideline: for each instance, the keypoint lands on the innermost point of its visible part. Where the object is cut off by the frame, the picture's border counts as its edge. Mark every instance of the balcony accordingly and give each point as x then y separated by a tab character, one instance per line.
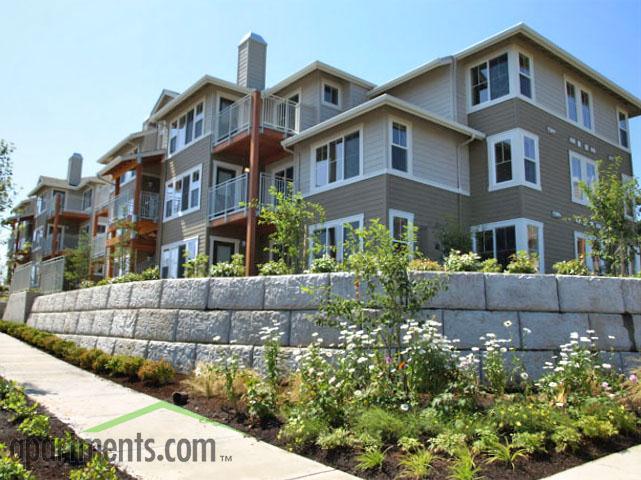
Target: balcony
44	245
99	245
122	206
72	206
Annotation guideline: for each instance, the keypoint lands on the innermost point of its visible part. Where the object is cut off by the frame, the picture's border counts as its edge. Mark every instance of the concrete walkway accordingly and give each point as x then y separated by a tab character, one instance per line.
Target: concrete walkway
98	409
625	465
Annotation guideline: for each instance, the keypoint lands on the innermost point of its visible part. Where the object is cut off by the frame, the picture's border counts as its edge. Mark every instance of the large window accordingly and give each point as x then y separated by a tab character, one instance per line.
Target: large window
622	122
187	128
338	160
87	197
335	237
182	193
578	104
400	146
525	75
513	160
582	170
490	80
501	240
175	255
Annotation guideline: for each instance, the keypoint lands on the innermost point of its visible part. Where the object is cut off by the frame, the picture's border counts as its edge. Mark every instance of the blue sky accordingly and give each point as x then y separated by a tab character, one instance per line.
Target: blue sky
80	75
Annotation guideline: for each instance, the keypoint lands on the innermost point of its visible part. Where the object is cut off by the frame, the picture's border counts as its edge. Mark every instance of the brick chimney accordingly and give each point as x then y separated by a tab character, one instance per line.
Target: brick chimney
252	61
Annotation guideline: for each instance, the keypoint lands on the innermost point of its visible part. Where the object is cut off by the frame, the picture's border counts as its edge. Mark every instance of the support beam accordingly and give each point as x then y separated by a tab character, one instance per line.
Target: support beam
254	174
56	224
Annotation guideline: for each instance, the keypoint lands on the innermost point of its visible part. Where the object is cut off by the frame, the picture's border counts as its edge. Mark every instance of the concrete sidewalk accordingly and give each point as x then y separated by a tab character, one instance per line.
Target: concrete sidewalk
98	409
625	465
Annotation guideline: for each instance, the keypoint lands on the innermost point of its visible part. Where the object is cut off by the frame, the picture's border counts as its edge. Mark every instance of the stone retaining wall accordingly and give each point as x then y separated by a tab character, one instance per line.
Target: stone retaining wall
192	320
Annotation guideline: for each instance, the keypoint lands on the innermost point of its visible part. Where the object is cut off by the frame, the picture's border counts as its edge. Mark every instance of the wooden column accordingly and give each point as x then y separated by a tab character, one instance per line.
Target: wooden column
16	229
56	224
254	140
112	234
137	191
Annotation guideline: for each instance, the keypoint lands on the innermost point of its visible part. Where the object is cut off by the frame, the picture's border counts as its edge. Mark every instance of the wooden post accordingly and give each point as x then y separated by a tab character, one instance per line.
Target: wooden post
16	229
254	140
56	223
137	191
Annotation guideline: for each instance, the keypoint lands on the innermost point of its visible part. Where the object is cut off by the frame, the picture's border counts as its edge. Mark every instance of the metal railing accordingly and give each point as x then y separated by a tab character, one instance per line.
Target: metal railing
99	245
267	181
102	197
149	206
66	241
280	114
51	275
122	206
228	197
234	119
21	278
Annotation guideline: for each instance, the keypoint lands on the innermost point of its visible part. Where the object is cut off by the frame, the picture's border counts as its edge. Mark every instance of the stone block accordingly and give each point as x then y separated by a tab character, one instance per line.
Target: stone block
532	362
181	355
71	322
343	285
19	306
632	295
84	299
85	323
39	304
630	361
547	330
126	346
288	292
218	354
288	360
618	332
468	326
57	322
70	300
145	294
185	293
304	326
612	359
590	294
55	302
85	341
33	319
102	321
119	294
536	293
435	315
245	293
462	291
106	344
123	324
246	326
203	327
100	297
156	325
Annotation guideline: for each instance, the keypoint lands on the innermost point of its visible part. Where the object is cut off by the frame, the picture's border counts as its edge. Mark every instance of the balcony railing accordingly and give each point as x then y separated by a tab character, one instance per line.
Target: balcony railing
122	206
99	245
267	181
228	197
149	206
234	119
280	114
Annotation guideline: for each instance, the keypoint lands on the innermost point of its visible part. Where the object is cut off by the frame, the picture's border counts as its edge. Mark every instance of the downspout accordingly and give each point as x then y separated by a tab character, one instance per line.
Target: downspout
459	148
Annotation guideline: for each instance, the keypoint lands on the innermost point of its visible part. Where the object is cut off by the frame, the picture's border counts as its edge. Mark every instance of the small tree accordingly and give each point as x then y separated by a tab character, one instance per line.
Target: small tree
78	261
291	215
122	250
7	187
454	237
613	222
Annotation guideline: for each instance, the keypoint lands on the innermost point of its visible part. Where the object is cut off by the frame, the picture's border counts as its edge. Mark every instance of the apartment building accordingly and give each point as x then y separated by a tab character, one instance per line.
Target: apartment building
495	138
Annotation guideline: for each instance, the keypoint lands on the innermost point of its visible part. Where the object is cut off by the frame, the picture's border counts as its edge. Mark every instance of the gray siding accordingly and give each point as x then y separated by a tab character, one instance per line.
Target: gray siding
431	91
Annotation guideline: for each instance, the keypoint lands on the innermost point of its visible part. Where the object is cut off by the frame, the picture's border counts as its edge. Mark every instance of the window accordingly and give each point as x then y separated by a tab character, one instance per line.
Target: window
331	95
187	129
622	120
578	104
401	225
175	255
41	204
501	240
338	160
335	237
127	177
182	193
513	159
400	146
87	197
490	80
525	75
584	170
583	250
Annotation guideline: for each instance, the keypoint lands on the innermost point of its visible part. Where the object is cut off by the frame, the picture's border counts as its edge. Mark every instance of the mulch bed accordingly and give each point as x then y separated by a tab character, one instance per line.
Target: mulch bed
535	467
46	466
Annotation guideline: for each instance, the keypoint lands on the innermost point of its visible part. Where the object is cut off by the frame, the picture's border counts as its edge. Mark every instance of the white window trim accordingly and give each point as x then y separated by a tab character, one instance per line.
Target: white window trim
578	86
326	140
520	232
409	216
170	246
627	127
520	51
290	94
409	148
338	224
588	249
517	141
176	119
510	63
228	166
583	159
215	238
179	176
335	85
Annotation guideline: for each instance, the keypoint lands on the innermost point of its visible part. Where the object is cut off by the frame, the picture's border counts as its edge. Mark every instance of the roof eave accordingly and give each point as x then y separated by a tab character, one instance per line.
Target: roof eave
416	72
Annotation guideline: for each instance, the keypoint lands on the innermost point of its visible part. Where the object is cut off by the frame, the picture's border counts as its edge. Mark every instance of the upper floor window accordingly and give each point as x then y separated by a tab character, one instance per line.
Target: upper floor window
490	80
582	171
182	193
87	197
513	160
127	177
338	160
622	120
41	204
187	128
578	104
525	75
331	94
400	146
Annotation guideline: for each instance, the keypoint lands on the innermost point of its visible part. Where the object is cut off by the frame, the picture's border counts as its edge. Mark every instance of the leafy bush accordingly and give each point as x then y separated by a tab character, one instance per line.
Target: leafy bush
425	265
196	267
11	468
157	372
337	438
529	442
235	268
324	264
462	262
372	458
151	273
124	366
36	426
523	262
69	448
575	266
386	426
416	465
98	468
491	265
274	268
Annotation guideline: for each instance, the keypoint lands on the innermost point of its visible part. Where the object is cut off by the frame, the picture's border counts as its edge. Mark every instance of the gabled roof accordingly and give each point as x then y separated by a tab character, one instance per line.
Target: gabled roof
62	183
202	82
534	36
383	100
323	67
164	97
128	139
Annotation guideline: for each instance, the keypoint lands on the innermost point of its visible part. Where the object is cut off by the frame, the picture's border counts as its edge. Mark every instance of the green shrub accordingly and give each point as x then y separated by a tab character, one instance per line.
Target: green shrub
274	268
529	442
301	430
196	267
372	458
11	468
36	426
69	448
98	468
571	267
87	358
565	437
235	268
337	438
491	265
157	372
261	399
151	273
384	425
124	366
324	264
416	465
523	262
425	265
462	262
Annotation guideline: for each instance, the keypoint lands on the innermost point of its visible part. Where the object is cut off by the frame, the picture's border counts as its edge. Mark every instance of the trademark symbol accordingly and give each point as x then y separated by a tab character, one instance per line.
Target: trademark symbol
225	458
